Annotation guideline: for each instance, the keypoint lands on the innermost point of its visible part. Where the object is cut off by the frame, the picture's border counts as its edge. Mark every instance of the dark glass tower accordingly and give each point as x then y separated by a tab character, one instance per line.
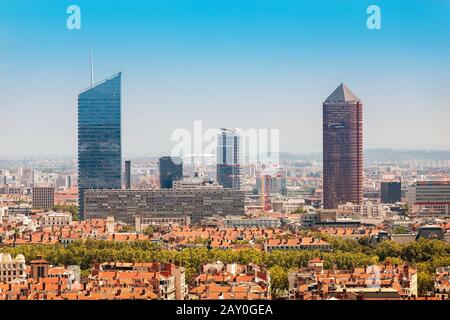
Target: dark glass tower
170	170
99	139
391	192
342	148
229	158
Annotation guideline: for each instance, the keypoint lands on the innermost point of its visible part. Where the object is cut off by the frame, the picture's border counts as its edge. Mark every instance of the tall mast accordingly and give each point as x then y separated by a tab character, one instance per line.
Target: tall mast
92	67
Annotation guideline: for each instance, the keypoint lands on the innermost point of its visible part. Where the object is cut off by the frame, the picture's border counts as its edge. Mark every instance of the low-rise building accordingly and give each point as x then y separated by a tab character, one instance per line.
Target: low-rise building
258	222
442	283
367	209
12	269
386	282
108	281
167	281
158	219
287	204
52	218
304	243
231	281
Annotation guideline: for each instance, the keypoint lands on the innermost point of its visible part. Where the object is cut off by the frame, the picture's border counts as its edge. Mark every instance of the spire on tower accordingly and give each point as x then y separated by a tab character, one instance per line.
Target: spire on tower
92	67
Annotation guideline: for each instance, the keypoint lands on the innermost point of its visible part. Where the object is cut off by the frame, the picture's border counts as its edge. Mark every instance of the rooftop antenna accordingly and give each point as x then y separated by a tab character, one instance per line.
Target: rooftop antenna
92	66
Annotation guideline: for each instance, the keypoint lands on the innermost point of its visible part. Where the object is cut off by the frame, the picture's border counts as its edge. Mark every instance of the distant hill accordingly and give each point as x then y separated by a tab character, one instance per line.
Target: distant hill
372	155
379	155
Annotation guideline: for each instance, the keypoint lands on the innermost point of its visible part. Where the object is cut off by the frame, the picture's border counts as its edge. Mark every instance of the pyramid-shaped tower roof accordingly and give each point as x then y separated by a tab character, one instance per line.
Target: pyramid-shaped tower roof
342	94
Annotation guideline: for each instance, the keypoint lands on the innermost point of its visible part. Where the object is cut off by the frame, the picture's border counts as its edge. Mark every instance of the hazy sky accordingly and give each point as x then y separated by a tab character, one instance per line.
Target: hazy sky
247	64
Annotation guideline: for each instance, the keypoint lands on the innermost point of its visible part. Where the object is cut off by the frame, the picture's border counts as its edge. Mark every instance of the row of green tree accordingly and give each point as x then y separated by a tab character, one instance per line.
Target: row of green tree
427	255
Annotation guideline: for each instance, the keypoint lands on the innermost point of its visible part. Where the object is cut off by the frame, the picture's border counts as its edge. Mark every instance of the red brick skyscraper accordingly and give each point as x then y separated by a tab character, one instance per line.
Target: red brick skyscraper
342	148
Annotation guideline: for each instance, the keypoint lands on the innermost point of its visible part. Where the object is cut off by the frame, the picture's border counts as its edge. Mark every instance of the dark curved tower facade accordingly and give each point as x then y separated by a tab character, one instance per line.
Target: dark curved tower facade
342	148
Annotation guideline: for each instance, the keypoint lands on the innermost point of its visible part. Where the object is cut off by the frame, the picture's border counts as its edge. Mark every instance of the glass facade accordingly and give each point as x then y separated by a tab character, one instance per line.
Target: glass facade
229	153
391	192
170	170
99	138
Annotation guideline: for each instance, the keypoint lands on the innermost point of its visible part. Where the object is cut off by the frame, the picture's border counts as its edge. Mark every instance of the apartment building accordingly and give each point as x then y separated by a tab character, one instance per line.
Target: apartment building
304	243
385	282
287	204
160	219
259	222
43	197
12	269
52	218
367	209
432	197
442	283
231	281
107	281
172	279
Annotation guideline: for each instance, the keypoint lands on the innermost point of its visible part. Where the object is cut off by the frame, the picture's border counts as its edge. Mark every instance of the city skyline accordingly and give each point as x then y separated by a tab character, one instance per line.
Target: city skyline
217	157
180	61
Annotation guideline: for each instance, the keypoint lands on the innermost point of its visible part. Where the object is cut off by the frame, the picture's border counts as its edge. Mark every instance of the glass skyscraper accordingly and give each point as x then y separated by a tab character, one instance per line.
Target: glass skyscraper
229	158
99	138
391	192
170	170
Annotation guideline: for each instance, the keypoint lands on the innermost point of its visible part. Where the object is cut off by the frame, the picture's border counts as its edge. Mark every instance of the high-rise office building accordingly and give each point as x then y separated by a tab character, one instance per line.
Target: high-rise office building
342	148
127	174
229	158
99	137
391	192
43	198
170	170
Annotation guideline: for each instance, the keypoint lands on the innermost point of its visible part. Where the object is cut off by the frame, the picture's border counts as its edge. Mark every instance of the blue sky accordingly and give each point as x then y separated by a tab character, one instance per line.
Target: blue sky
247	64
